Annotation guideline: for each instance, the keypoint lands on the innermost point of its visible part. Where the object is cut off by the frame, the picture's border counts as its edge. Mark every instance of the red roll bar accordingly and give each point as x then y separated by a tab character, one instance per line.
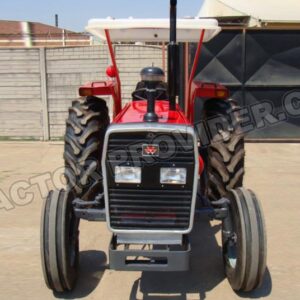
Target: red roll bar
188	100
106	88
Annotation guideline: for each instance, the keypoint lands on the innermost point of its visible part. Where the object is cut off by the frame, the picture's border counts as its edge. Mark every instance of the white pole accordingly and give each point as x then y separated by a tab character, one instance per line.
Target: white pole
26	34
63	38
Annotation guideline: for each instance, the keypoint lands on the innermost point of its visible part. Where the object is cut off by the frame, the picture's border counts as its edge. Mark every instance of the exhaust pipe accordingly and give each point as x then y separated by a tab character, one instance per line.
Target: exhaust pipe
173	56
151	116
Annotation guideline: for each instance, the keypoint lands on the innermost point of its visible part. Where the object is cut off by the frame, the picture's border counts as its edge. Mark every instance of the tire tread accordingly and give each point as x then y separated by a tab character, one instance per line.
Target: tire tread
226	154
85	129
250	228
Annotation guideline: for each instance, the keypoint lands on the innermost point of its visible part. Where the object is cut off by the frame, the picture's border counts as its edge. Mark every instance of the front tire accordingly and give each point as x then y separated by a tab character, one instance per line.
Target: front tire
244	241
59	241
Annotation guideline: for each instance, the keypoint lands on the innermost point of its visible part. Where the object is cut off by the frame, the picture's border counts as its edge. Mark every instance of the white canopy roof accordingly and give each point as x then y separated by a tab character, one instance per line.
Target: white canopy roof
153	30
259	10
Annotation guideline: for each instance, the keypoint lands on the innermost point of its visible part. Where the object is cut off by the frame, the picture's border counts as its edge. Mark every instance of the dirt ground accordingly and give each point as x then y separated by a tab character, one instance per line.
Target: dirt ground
272	171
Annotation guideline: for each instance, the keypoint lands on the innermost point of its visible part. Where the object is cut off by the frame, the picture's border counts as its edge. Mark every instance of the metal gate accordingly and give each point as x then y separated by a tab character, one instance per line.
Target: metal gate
262	70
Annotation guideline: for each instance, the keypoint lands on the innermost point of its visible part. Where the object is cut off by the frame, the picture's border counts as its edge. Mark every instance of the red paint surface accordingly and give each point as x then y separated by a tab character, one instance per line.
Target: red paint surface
118	94
134	113
111	71
201	165
192	76
103	88
205	90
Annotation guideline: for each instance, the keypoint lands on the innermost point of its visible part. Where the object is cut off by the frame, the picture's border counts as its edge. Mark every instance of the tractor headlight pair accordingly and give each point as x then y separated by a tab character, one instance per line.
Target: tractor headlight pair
134	175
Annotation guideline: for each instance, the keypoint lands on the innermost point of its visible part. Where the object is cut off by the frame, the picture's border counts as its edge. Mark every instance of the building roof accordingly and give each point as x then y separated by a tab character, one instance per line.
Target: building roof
259	11
8	28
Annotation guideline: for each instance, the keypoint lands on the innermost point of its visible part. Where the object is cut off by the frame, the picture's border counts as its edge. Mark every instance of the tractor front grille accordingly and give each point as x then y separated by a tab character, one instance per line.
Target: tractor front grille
149	209
177	148
150	205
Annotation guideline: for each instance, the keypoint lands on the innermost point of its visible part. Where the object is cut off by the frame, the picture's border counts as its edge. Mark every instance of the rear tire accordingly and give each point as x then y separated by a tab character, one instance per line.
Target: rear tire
59	241
85	130
244	241
225	155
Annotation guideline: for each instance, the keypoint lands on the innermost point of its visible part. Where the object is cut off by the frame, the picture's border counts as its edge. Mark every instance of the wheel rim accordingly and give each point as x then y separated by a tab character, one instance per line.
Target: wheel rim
231	251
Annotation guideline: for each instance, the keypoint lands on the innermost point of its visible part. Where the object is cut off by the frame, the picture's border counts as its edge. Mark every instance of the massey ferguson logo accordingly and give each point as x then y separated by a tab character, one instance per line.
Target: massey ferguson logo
150	150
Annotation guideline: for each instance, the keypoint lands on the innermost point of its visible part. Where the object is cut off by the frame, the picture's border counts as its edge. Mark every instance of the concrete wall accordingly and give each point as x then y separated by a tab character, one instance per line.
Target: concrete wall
67	69
20	93
38	85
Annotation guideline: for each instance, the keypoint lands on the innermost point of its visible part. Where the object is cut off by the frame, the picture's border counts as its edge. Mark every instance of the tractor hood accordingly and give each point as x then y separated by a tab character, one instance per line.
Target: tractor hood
134	113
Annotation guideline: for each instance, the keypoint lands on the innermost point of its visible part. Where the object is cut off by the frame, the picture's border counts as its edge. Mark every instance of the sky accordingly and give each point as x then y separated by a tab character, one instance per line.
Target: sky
74	14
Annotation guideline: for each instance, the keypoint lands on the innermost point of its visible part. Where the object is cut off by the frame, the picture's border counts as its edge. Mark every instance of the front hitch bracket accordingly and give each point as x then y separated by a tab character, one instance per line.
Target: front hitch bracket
90	210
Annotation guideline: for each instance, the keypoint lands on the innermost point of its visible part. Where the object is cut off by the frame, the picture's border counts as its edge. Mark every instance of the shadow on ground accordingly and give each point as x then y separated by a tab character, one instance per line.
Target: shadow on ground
263	291
91	269
205	274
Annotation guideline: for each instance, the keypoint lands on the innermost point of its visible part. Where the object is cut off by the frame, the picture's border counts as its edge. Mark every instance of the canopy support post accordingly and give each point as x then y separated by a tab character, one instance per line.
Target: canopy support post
118	103
189	107
186	75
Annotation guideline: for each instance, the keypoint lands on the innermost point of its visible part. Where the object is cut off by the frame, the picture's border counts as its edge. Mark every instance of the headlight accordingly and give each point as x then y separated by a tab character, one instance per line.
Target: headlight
173	175
128	175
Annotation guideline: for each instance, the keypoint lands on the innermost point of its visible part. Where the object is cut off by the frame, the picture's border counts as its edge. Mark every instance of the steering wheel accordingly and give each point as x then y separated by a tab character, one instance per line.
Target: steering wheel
159	92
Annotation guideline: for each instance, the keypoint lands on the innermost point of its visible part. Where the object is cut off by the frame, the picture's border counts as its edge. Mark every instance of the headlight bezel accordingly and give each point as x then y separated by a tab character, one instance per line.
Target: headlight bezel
120	175
166	178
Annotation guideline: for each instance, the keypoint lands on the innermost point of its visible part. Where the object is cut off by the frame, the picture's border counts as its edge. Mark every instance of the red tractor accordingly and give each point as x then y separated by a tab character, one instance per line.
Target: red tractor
147	174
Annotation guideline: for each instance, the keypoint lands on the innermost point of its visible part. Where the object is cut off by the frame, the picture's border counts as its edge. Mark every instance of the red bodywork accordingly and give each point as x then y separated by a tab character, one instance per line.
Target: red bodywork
103	88
134	112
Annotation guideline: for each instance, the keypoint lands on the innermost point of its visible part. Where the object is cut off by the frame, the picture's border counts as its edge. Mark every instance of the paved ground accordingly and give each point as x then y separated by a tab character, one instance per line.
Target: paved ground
273	170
